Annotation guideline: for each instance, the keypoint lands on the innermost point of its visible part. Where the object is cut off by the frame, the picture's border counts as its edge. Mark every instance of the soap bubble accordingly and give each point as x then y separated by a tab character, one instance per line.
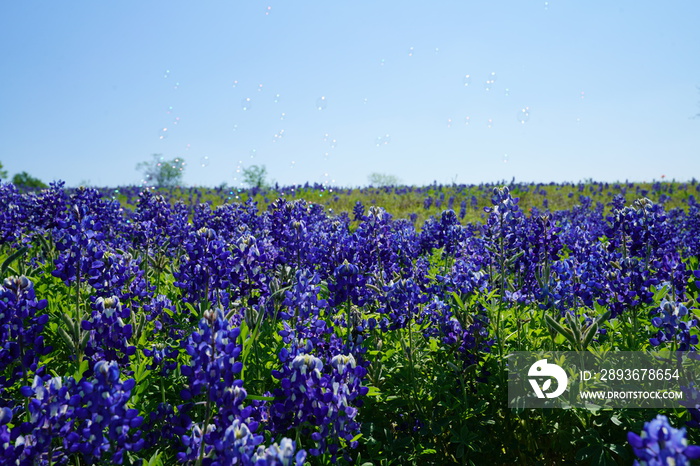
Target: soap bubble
410	51
167	73
276	99
282	116
489	123
467	80
524	115
252	153
321	103
490	81
260	87
204	161
235	83
449	122
278	135
466	121
245	103
268	10
163	133
505	158
382	140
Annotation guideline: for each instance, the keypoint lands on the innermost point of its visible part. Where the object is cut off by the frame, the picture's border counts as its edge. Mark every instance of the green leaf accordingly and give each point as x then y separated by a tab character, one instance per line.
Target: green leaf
591	331
78	375
260	397
565	332
13	257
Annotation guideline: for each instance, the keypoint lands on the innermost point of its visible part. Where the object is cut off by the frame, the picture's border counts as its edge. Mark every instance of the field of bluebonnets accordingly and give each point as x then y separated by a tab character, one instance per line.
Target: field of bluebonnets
306	325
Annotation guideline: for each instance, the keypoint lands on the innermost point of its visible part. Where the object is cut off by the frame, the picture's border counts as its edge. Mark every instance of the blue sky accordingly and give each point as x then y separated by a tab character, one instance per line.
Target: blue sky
339	90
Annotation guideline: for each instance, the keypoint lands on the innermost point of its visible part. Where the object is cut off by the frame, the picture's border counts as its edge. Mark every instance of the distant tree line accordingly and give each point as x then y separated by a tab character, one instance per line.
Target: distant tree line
22	179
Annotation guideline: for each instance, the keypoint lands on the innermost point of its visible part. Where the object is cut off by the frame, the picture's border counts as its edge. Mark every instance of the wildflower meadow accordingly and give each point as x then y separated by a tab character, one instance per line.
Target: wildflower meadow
309	325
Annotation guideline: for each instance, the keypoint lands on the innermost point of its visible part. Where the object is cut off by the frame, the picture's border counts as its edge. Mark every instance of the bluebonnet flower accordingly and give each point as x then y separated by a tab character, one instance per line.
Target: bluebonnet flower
109	334
227	435
675	326
661	444
21	328
444	233
90	418
318	397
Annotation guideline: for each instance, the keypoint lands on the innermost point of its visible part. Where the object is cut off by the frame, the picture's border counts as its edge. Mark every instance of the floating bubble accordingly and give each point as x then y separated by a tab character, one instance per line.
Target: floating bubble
235	83
167	73
364	101
437	50
326	155
583	94
505	158
292	164
321	103
466	121
467	80
204	161
382	140
278	135
410	51
507	91
334	143
176	86
489	123
245	103
176	120
488	85
235	128
546	6
326	136
169	110
187	147
268	10
282	116
277	98
252	153
382	62
260	87
524	115
449	122
163	133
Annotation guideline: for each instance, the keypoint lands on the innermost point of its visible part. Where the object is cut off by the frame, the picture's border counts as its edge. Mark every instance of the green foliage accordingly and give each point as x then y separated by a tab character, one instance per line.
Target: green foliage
162	173
3	173
382	179
255	176
25	180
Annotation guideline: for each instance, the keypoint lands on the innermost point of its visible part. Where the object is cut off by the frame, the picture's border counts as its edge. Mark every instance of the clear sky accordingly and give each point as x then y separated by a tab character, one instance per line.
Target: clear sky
551	91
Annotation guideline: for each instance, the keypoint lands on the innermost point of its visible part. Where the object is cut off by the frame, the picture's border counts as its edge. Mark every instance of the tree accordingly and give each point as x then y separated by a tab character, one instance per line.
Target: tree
382	179
255	175
26	180
162	173
3	173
